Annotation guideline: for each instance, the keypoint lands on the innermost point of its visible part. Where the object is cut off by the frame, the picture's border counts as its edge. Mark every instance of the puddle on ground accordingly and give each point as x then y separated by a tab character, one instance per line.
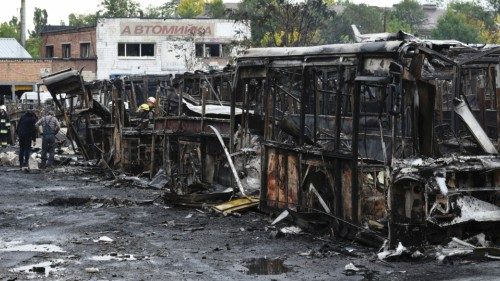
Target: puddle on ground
89	202
265	266
116	257
17	246
43	268
71	201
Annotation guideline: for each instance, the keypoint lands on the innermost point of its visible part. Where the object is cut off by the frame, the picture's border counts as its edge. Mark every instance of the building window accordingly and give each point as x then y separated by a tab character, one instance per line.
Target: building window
66	50
85	50
210	50
49	51
136	49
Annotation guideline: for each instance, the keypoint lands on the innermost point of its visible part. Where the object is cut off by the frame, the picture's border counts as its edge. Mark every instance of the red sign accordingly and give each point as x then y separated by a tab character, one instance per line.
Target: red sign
164	29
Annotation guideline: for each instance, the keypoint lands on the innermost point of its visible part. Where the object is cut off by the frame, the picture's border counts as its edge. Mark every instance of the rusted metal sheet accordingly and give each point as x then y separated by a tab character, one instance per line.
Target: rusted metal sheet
347	190
272	177
191	125
281	180
373	195
293	182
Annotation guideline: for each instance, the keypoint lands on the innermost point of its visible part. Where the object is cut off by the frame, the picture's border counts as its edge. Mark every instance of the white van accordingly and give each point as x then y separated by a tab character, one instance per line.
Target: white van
31	98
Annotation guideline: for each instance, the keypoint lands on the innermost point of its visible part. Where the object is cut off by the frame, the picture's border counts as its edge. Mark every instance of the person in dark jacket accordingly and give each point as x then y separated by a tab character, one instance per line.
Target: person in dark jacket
26	131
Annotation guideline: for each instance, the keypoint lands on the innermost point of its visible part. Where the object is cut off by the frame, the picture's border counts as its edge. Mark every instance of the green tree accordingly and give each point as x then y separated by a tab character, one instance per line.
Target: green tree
368	19
216	9
8	30
408	14
82	19
14	22
169	9
284	23
120	8
495	5
33	45
473	11
152	12
190	8
469	22
394	25
39	20
439	3
455	26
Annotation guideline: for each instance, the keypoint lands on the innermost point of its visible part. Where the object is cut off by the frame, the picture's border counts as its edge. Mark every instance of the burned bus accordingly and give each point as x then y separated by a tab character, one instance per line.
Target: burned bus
380	135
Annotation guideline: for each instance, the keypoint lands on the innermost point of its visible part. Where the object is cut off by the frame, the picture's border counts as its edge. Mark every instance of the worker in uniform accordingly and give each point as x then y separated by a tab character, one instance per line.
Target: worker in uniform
4	127
145	111
26	132
50	128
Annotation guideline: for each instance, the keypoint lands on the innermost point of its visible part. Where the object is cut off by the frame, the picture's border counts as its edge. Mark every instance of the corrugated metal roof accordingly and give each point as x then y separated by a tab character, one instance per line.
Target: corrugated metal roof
11	49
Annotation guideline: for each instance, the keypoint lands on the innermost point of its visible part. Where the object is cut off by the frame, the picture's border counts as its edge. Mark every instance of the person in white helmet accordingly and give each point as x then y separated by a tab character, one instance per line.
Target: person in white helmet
145	110
148	106
4	127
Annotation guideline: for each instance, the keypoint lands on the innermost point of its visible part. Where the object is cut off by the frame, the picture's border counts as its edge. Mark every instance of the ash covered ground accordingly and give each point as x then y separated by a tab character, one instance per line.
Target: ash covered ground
72	224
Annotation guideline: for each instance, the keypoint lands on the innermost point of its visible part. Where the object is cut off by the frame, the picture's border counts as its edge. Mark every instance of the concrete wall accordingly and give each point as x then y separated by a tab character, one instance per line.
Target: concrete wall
174	41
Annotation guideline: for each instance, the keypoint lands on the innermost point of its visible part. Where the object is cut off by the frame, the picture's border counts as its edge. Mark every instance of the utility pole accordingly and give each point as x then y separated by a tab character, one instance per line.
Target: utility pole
23	23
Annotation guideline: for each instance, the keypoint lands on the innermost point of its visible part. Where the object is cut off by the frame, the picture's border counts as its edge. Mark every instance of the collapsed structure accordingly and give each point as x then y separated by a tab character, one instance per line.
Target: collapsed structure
397	137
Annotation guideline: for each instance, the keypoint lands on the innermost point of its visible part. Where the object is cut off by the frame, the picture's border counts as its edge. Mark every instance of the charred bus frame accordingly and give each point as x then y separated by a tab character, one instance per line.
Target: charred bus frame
349	131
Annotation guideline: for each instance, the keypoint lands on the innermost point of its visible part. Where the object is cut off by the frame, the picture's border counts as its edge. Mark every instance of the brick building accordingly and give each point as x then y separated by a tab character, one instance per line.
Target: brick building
19	73
70	47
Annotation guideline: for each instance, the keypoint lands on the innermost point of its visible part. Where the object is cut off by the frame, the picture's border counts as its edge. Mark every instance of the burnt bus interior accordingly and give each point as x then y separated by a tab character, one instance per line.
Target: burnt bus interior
107	126
337	122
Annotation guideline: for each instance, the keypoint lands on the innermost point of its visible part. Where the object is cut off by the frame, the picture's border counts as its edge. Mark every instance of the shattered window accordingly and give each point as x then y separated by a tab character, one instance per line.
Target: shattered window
212	50
208	50
199	50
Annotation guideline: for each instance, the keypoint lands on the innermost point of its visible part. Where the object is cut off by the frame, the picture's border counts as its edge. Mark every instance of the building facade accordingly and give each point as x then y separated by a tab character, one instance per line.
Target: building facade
137	46
71	47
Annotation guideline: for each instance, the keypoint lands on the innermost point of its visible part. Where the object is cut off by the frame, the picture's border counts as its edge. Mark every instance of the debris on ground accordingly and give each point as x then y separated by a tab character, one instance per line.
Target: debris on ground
291	230
91	269
238	204
475	247
387	254
104	239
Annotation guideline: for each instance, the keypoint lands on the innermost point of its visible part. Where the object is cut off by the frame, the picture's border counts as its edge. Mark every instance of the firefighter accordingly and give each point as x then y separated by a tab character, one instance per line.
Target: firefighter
4	127
147	107
145	111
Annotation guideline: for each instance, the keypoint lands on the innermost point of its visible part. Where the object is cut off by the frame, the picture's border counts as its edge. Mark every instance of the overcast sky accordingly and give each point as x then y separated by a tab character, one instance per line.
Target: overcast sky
58	10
